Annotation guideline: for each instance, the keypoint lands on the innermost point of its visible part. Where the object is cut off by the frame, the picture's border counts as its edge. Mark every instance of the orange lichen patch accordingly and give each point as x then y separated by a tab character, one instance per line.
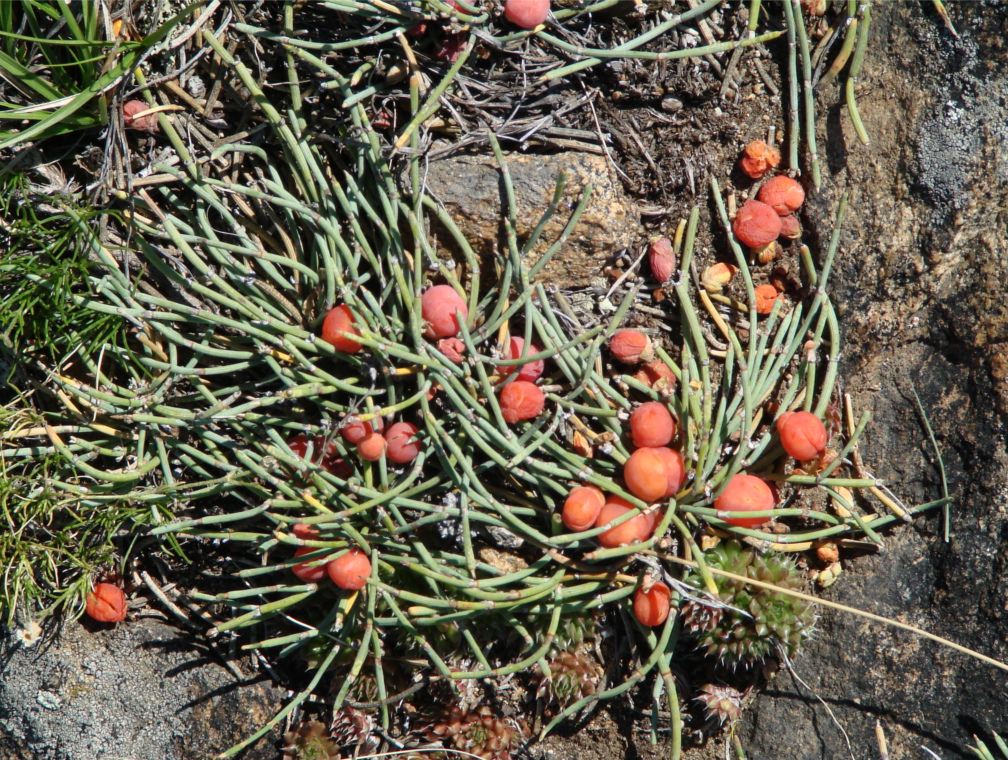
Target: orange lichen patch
441	308
581	508
338	327
802	434
521	400
758	158
783	194
651	606
765	296
350	571
756	224
745	493
651	425
631	347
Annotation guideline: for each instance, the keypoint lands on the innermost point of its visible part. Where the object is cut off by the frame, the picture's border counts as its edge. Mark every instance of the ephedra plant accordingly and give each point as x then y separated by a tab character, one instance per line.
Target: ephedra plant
268	314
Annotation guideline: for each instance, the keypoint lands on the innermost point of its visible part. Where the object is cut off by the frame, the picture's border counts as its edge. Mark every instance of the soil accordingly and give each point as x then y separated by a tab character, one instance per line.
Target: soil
920	289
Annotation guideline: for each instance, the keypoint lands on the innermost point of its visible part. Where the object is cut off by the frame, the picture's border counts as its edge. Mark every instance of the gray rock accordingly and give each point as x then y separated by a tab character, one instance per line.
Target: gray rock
471	190
140	690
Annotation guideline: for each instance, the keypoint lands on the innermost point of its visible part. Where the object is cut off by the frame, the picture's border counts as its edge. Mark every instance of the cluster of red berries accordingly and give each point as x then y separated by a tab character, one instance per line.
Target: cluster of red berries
349	570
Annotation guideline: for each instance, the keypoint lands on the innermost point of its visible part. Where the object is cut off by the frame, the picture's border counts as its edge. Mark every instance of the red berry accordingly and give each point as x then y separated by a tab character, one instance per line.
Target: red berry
631	347
146	123
756	224
783	194
439	306
651	607
529	371
745	493
759	158
651	424
402	446
582	507
338	327
527	14
521	400
355	430
790	227
308	571
802	434
662	259
106	603
350	571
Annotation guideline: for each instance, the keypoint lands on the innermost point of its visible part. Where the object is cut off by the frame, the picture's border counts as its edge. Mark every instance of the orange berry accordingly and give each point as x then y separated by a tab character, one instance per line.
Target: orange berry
527	14
759	158
651	607
355	430
765	297
675	468
338	327
651	425
756	224
371	447
106	603
631	346
802	434
401	444
634	530
745	493
438	307
308	571
783	194
582	507
662	259
646	474
350	571
529	371
521	400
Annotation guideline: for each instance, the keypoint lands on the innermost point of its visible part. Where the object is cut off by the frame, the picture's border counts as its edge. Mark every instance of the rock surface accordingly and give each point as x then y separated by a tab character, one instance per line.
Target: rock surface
140	690
471	190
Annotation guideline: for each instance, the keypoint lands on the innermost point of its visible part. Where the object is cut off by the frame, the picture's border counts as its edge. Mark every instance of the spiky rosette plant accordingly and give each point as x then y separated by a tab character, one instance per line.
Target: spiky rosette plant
573	675
480	732
752	622
309	740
